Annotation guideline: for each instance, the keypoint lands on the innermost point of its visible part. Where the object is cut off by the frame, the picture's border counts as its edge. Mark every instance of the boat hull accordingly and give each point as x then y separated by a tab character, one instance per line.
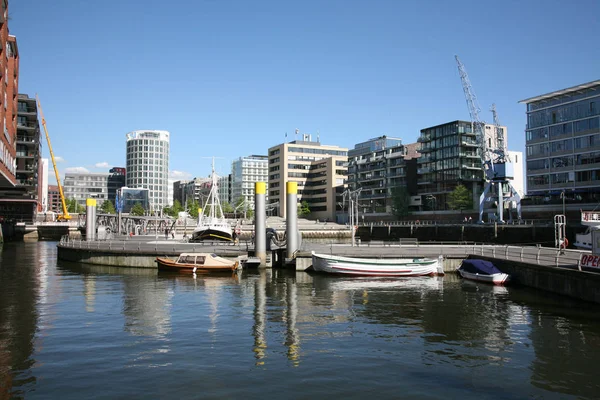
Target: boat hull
496	279
211	234
166	264
380	267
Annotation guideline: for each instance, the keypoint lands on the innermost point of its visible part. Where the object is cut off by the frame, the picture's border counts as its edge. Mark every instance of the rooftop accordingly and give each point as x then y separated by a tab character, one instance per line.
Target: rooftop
562	92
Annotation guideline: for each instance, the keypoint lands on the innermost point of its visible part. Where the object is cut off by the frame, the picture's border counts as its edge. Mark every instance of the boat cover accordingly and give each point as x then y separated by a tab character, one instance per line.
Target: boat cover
476	266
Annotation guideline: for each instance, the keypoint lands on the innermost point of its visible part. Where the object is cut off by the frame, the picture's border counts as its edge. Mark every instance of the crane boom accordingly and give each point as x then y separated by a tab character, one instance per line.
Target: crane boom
65	216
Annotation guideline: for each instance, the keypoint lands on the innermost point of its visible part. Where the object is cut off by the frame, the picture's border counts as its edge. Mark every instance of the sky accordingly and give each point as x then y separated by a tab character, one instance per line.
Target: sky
229	78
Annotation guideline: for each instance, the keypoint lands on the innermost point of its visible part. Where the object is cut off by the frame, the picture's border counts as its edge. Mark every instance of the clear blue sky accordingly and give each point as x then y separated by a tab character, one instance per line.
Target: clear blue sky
229	78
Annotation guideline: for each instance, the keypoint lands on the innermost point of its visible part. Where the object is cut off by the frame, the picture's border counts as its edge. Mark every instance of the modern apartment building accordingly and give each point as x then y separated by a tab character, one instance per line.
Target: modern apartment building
450	155
319	170
245	172
148	165
376	167
196	189
29	172
9	88
563	143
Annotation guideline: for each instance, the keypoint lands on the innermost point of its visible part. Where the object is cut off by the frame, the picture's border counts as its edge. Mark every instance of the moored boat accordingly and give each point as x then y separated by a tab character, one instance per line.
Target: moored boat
482	271
591	220
197	263
376	267
212	225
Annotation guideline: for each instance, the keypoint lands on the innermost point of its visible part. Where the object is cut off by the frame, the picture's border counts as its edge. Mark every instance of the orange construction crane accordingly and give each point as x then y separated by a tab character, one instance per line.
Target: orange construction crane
65	215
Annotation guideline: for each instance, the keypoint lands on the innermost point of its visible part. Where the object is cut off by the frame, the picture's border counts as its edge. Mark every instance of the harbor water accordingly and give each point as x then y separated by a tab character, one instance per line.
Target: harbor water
74	331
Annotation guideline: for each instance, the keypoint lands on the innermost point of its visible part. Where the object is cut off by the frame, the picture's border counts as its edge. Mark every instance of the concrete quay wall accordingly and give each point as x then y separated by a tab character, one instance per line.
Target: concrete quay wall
581	285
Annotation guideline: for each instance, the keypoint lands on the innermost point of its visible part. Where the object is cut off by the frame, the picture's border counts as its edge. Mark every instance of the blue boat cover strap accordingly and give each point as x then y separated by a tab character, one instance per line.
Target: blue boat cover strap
476	266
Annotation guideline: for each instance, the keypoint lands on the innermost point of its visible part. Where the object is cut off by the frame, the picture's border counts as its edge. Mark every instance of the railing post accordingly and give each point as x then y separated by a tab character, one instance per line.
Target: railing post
521	253
538	255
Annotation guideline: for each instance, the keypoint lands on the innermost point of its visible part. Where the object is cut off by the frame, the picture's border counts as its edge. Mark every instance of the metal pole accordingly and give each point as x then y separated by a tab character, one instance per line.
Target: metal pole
500	204
260	224
90	220
291	189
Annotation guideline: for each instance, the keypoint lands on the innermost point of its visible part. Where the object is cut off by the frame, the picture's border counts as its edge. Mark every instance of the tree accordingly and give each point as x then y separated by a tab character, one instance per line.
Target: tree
107	207
303	209
193	208
460	198
74	207
137	209
227	208
400	201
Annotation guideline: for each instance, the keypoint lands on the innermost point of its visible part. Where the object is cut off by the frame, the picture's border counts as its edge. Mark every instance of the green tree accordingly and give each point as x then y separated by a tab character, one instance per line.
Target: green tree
74	207
193	208
400	201
303	209
227	208
108	207
460	198
137	209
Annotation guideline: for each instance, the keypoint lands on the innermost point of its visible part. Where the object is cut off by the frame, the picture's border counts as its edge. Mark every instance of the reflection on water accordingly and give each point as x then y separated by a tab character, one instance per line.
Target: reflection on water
66	329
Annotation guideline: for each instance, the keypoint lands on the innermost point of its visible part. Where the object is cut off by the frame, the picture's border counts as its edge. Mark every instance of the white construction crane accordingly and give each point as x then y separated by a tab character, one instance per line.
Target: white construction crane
492	147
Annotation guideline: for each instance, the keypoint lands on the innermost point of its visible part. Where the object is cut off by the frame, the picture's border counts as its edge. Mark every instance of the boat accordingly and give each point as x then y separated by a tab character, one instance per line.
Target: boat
376	267
212	226
590	219
482	271
197	263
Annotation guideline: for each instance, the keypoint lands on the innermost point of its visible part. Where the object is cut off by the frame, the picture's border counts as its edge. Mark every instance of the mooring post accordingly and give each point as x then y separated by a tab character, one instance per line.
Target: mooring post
291	217
260	224
90	220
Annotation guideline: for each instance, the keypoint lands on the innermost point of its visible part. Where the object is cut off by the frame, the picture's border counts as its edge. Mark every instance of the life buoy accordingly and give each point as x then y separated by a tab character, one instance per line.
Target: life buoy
565	243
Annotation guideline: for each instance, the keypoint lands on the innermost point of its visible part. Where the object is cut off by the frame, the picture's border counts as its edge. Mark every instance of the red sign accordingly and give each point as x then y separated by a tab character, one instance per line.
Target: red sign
589	260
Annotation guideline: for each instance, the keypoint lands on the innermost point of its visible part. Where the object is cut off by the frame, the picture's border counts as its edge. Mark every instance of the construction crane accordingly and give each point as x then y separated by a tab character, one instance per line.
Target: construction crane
492	147
65	215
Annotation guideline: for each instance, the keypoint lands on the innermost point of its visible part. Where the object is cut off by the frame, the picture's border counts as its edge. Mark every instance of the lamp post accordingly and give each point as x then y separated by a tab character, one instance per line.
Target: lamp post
562	195
433	204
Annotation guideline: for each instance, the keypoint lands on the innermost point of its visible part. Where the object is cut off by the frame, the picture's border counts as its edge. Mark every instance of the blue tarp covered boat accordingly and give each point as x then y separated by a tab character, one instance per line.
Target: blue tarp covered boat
483	271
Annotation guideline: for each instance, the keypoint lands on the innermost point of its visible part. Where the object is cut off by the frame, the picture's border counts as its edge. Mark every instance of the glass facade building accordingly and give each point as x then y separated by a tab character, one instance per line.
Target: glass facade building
148	165
132	196
563	142
451	155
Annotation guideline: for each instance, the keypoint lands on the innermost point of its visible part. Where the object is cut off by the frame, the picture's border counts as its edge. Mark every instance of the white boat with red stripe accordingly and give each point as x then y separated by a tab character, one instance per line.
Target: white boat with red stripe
377	267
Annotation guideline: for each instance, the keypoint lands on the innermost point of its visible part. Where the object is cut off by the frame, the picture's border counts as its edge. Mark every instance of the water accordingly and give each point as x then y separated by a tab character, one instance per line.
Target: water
72	331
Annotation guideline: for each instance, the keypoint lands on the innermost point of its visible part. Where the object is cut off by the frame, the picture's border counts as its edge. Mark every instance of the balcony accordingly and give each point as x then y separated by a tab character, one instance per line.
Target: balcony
475	166
471	178
424	138
26	125
424	170
29	140
470	143
26	110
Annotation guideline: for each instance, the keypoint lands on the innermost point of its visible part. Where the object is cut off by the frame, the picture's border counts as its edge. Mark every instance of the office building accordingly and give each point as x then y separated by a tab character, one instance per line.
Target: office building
377	166
29	150
451	155
563	143
320	172
148	165
245	172
128	197
83	186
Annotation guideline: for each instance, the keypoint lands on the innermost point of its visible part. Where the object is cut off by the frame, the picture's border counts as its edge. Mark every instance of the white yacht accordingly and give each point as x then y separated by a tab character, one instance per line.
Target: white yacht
591	219
212	224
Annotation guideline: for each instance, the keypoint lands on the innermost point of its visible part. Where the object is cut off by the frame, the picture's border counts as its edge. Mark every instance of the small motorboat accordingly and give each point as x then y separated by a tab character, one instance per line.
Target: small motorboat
482	271
197	263
376	267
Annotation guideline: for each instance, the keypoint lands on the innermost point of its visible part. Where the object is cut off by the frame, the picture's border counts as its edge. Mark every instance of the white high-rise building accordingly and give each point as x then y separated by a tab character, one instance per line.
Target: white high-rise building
148	165
245	172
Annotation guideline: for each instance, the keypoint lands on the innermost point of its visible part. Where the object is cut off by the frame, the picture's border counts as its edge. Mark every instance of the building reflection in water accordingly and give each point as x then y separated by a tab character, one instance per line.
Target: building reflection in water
146	306
21	275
